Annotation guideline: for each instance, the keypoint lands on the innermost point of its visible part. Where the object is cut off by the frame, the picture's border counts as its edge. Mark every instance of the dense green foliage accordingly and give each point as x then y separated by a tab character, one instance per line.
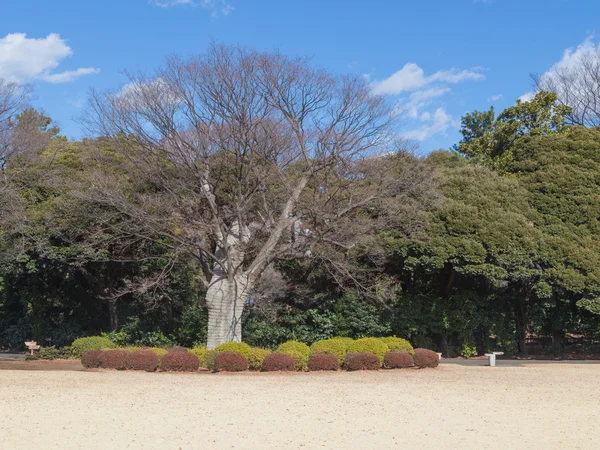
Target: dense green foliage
234	347
396	344
337	346
87	344
297	350
369	345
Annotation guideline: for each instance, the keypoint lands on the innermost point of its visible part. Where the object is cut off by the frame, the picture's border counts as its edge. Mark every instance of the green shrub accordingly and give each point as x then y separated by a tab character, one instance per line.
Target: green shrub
256	357
159	352
297	350
397	344
81	345
200	352
369	345
51	353
337	346
209	359
468	350
131	349
234	347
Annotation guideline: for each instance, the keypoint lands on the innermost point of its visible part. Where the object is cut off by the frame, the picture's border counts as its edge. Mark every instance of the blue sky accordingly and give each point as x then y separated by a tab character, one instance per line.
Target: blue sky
438	59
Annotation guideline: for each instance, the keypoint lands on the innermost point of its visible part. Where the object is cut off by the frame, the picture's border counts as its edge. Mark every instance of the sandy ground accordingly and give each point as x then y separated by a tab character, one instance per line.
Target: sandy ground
534	407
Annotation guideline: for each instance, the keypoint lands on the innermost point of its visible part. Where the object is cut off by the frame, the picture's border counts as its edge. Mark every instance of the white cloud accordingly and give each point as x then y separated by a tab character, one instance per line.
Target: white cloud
215	6
23	59
527	96
69	75
438	123
412	77
417	91
494	98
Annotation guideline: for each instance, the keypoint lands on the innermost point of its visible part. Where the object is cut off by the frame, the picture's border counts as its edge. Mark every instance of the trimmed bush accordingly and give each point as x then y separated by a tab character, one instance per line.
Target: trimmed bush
82	345
113	359
276	362
297	350
256	357
132	349
230	362
424	358
323	361
159	352
91	359
397	344
337	346
369	345
234	347
200	352
397	360
142	360
362	361
50	353
179	360
209	359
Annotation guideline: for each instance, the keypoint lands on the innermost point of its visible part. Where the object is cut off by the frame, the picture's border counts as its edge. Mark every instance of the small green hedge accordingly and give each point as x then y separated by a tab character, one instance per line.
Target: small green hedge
397	344
369	345
86	344
337	346
256	357
50	353
297	350
240	348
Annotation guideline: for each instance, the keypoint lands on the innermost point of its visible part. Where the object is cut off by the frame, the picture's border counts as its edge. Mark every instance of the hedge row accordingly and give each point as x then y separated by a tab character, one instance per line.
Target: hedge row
183	360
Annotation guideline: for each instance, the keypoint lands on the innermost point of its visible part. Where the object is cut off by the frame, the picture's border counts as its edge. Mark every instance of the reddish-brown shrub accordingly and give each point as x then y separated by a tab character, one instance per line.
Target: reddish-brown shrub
179	360
113	359
230	362
278	362
426	358
397	360
142	360
91	359
323	361
362	361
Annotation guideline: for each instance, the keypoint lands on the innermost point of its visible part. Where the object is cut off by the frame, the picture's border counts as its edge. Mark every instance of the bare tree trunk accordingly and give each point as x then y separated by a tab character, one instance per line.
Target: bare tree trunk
112	312
225	300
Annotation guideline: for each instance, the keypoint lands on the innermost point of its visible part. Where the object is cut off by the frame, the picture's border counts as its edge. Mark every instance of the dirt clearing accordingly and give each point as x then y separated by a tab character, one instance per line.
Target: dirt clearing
541	407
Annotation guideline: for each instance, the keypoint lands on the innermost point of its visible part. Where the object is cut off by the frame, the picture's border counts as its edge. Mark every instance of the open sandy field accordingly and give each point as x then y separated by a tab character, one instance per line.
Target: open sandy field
533	407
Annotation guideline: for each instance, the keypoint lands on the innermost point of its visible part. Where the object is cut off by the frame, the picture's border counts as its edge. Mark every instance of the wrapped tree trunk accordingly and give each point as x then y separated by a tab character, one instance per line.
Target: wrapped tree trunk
228	289
225	300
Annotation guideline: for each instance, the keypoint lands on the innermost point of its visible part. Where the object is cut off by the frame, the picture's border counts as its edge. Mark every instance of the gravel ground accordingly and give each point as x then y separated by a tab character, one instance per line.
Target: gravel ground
453	406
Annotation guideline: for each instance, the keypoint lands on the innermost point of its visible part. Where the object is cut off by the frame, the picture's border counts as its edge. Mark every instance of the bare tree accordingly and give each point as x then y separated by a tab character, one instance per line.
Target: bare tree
13	101
577	85
241	158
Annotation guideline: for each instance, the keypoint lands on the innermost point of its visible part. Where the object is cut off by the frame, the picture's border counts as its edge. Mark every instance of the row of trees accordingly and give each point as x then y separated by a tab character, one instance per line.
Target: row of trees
242	189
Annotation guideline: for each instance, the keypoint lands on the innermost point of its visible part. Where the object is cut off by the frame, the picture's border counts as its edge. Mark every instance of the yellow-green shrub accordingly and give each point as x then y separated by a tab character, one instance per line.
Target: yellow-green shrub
369	345
131	349
397	344
337	346
256	356
234	347
200	352
297	350
159	352
209	359
86	344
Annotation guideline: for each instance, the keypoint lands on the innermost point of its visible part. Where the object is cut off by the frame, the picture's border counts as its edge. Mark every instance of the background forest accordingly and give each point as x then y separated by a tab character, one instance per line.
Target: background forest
467	249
